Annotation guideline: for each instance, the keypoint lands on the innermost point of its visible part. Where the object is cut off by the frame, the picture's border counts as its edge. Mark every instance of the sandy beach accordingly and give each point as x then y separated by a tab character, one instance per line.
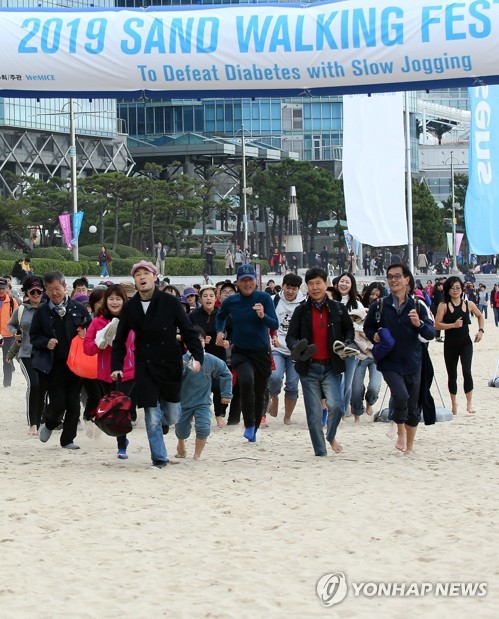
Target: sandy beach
250	530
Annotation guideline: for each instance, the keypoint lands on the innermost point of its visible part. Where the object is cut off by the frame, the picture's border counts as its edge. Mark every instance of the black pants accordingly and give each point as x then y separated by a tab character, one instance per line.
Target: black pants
404	389
253	370
209	268
454	350
63	388
36	392
7	367
220	409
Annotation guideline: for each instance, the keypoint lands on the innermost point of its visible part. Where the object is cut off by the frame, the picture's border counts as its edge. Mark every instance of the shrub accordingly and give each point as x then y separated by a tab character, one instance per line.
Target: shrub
11	255
52	253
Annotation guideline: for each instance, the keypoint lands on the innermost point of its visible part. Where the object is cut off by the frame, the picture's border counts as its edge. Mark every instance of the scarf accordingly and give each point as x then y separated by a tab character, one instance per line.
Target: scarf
319	305
60	309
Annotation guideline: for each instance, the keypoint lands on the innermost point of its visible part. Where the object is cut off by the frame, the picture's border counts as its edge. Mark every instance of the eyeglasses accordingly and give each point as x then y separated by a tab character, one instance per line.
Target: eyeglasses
35	292
227	293
394	276
456	288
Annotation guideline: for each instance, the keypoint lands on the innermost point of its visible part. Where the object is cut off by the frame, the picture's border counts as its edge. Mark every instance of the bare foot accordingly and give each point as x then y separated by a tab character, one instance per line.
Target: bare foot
471	409
335	446
220	422
181	453
274	406
287	421
196	457
33	431
391	432
454	410
400	444
409	452
356	419
369	409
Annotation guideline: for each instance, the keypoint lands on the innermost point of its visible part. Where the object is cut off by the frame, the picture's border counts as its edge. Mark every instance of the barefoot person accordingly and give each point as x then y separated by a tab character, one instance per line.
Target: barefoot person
453	317
314	329
195	398
401	367
285	304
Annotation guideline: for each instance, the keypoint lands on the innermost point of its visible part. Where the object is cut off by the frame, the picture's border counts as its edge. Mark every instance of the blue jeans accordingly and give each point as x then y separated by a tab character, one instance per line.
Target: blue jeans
283	364
373	386
202	422
164	413
483	308
346	381
103	268
321	380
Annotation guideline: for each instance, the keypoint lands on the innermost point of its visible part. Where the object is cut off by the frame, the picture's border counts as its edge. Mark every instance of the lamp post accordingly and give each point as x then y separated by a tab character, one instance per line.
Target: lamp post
243	190
454	221
74	175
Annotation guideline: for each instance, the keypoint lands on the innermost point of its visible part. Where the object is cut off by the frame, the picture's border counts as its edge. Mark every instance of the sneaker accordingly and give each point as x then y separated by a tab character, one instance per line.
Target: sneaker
338	346
249	433
350	351
263	422
122	454
158	464
44	433
70	446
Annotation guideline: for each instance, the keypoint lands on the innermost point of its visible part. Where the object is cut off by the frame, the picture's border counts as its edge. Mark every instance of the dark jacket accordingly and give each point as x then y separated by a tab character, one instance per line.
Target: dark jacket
339	327
207	322
47	324
405	356
158	355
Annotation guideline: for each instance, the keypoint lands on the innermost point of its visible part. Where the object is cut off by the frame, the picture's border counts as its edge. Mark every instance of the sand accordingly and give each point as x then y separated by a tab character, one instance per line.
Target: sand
248	531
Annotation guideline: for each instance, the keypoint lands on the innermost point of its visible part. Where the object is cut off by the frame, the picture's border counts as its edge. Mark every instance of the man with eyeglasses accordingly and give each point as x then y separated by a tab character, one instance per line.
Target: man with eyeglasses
401	367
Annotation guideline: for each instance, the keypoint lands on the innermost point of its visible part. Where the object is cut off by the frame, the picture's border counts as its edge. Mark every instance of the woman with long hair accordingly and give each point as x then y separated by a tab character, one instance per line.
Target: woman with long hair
453	317
346	286
98	341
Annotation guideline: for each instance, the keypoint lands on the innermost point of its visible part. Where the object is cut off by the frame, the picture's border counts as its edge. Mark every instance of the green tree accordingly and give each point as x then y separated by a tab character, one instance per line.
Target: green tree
427	218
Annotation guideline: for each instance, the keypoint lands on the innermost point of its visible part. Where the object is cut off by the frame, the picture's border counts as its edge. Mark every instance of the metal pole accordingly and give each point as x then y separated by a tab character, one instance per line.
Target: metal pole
245	203
453	198
410	241
74	180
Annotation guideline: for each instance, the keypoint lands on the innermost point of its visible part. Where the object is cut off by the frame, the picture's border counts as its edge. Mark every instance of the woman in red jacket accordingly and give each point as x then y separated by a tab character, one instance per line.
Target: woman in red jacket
98	341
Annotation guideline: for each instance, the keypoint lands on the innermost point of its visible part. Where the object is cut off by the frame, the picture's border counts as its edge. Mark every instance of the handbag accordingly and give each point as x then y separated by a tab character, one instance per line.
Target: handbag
78	362
113	415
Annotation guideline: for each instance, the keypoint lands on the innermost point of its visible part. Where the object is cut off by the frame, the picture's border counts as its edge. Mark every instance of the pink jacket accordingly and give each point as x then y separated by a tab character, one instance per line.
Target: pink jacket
104	355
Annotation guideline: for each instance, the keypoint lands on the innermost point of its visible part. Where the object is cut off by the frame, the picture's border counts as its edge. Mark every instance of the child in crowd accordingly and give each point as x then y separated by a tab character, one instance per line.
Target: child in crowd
195	398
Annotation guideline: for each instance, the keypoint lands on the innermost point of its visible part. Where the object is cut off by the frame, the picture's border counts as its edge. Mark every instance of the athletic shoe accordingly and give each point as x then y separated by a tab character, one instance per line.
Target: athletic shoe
249	433
122	454
158	464
70	446
351	351
44	433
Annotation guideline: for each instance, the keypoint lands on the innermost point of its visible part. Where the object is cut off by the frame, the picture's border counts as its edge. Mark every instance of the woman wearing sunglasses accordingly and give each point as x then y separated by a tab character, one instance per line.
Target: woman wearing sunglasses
19	325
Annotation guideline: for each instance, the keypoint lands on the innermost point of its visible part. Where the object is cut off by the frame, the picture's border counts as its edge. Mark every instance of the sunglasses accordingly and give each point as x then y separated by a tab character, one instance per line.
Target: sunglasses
35	292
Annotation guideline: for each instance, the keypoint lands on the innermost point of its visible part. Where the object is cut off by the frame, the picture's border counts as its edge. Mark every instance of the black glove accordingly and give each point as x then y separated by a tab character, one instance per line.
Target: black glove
303	351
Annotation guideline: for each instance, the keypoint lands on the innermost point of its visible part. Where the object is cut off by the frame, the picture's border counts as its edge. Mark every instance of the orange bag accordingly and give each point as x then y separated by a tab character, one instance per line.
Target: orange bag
78	362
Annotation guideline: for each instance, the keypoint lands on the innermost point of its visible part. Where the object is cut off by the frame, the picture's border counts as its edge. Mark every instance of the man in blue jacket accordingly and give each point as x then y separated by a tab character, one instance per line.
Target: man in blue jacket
401	367
253	314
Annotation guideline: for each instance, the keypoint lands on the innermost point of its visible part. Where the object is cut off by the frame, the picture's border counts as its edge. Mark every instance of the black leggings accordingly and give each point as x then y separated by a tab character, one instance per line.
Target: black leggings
453	350
253	372
36	392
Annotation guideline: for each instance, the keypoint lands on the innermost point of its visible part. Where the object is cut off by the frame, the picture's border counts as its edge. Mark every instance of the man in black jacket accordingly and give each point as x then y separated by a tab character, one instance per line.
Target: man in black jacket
54	325
314	328
155	317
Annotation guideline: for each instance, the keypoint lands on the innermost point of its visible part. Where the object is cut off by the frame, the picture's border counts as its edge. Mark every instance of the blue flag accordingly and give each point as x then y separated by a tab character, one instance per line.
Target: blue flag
481	209
77	219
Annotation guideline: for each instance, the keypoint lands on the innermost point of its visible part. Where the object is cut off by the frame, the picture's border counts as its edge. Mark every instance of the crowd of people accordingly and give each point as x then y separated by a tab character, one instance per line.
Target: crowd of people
232	349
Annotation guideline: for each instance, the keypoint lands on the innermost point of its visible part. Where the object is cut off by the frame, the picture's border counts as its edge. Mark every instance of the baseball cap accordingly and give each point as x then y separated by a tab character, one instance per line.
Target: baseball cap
246	270
3	283
207	287
35	284
144	264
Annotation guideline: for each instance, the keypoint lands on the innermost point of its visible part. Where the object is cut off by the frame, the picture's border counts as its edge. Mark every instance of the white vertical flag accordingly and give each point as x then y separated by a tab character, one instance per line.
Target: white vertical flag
374	168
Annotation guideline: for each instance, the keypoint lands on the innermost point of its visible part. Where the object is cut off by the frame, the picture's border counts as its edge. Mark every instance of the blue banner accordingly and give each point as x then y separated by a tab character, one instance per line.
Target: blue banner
77	219
481	209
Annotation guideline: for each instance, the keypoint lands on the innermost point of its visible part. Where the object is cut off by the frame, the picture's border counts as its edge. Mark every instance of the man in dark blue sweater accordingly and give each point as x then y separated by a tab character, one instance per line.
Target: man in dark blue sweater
253	314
